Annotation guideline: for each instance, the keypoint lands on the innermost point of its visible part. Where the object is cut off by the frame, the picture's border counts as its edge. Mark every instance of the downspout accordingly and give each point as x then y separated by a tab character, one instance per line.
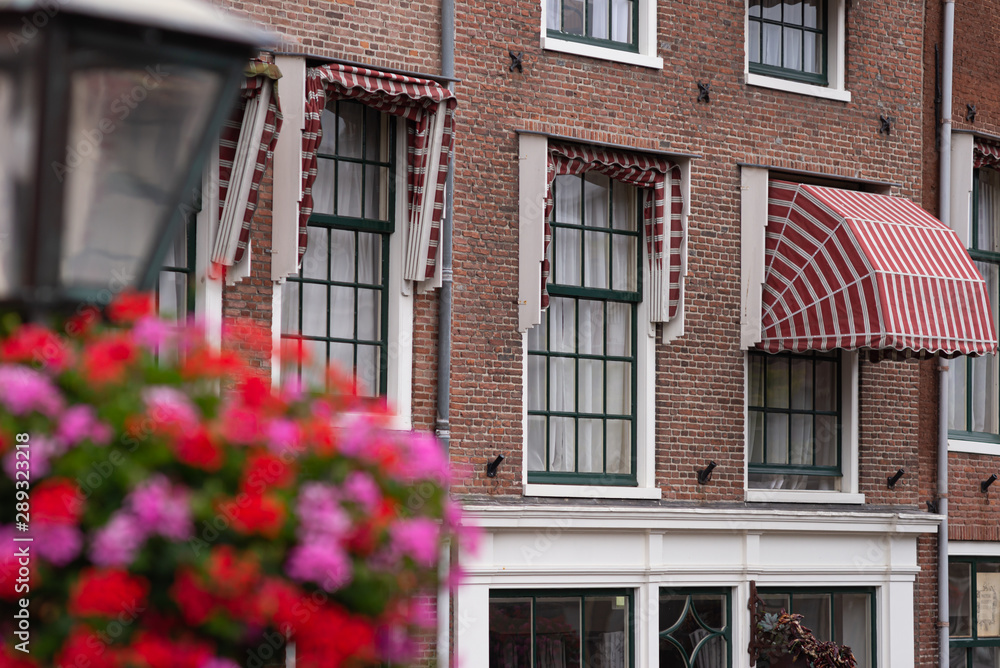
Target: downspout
443	425
944	210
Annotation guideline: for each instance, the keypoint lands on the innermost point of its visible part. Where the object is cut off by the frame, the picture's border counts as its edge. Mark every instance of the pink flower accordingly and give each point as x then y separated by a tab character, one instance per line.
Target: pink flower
320	516
416	538
426	459
79	423
58	544
23	390
43	449
362	489
118	542
152	333
169	407
282	436
322	563
162	507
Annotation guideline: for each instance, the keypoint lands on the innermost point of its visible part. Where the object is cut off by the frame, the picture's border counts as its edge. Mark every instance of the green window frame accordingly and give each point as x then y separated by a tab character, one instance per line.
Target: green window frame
184	270
523	650
338	231
795	30
677	634
570	354
771	596
971	647
987	261
774	408
594	22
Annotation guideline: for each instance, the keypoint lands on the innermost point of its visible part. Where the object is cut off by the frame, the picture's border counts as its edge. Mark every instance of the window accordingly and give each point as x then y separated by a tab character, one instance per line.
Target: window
337	306
844	616
797	45
581	358
974	411
974	611
611	23
557	629
793	408
175	291
618	30
695	628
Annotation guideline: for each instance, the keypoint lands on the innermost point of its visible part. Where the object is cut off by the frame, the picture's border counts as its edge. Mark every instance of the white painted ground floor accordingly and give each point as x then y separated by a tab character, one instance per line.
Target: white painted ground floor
559	585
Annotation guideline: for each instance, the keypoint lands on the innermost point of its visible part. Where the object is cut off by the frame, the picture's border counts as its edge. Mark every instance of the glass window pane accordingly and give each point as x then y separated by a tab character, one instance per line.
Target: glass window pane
988	210
619	388
597	19
815	608
510	633
959	599
349	190
619	316
711	610
342	357
342	255
771	9
775	602
793	12
536	443
591	327
314	310
826	440
621	21
777	382
755	7
826	386
623	214
958	383
369	258
171	296
812	13
290	308
367	371
350	133
316	258
754	30
568	196
558	632
802	383
562	325
852	621
777	438
771	44
322	189
590	444
562	442
373	129
536	383
988	600
596	193
957	657
755	396
553	14
596	265
606	632
369	315
801	441
590	386
567	256
624	263
538	338
619	438
341	312
315	363
562	384
572	17
793	48
812	53
756	437
373	189
985	657
329	123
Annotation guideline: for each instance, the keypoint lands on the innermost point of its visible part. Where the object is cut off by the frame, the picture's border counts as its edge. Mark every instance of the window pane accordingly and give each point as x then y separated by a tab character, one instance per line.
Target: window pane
562	325
852	619
777	382
793	48
958	382
754	29
328	123
350	135
755	7
812	53
572	17
373	130
171	296
619	386
538	338
623	215
373	184
510	633
341	312
567	256
623	261
607	630
960	599
590	443
826	386
290	308
597	18
369	313
342	255
811	14
596	192
988	210
957	657
802	383
342	356
562	384
349	192
322	189
552	14
536	383
596	266
557	632
793	12
775	602
777	438
985	657
800	451
756	437
591	386
771	9
987	600
619	328
756	385
619	437
316	259
369	258
815	608
314	309
771	44
591	327
367	370
536	443
314	367
826	439
621	20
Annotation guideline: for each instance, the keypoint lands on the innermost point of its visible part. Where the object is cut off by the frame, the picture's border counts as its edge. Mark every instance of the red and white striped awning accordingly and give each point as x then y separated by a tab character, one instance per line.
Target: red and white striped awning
985	153
856	270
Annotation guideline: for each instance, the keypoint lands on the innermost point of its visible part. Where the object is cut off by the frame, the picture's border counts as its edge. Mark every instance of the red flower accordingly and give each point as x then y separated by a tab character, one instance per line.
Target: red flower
240	425
106	359
32	344
129	306
275	602
262	514
195	603
206	363
150	650
83	647
254	392
232	575
108	593
199	450
57	501
330	637
263	470
83	321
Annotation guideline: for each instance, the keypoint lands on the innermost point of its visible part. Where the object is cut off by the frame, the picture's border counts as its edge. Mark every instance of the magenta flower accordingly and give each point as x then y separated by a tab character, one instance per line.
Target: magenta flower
152	333
320	516
43	449
416	538
79	423
169	406
362	489
117	543
219	663
282	436
427	460
58	544
23	390
322	563
162	507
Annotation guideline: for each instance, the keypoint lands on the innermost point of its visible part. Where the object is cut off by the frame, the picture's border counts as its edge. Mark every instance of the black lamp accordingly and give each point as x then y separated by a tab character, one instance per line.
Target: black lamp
107	109
985	485
891	481
705	474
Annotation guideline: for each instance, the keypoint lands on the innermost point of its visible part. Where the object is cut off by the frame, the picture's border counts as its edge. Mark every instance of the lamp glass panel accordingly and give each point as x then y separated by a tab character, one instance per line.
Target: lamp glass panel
18	115
133	134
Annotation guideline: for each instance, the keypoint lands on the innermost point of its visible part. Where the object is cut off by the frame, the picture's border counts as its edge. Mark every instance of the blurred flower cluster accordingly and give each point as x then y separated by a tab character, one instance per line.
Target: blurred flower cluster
184	515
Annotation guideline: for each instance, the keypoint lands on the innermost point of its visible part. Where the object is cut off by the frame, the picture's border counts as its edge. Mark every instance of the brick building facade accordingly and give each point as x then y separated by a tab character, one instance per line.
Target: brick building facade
610	405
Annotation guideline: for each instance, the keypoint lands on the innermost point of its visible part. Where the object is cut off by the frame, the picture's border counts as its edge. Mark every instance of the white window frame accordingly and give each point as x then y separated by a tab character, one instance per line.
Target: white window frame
646	57
960	220
533	153
836	63
400	327
753	221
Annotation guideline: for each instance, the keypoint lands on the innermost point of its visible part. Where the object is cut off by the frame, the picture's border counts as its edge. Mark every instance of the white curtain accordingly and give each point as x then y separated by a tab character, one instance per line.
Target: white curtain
621	20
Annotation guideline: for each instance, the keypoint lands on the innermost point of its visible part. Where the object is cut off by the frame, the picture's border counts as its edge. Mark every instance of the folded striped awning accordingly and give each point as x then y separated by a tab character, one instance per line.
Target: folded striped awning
430	137
855	270
985	153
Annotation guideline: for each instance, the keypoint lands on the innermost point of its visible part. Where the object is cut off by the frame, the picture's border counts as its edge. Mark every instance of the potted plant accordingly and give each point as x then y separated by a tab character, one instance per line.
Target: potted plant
785	642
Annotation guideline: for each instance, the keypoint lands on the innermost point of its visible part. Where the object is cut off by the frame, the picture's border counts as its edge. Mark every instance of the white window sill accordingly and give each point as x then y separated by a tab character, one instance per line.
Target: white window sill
837	94
974	447
592	491
601	53
802	496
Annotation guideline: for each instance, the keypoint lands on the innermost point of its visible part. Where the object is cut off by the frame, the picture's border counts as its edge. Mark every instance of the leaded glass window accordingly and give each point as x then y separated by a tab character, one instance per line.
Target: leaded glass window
695	629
